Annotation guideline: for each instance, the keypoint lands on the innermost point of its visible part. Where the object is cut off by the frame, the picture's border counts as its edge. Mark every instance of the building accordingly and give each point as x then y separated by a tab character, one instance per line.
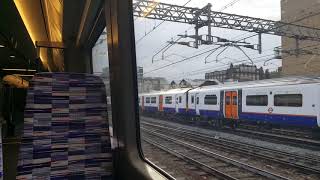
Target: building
297	60
197	82
154	84
241	72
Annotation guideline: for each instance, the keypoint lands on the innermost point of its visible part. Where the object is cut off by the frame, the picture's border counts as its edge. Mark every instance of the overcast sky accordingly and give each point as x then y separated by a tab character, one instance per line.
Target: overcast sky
195	68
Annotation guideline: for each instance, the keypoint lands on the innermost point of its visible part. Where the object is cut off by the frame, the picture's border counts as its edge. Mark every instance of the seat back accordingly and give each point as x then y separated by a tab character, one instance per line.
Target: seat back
66	133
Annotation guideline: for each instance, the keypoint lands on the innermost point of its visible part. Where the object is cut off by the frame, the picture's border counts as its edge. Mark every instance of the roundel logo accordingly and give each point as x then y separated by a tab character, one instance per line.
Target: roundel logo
270	109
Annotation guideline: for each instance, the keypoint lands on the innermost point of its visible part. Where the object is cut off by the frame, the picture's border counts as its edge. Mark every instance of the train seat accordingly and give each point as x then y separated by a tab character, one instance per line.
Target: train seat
65	133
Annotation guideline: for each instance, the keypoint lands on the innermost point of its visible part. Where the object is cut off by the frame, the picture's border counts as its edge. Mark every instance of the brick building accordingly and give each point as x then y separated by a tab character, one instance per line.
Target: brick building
241	72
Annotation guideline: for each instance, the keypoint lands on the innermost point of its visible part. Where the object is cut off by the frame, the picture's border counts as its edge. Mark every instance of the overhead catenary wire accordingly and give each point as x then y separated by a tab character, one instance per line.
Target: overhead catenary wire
243	60
156	69
233	2
155	27
240	61
198	71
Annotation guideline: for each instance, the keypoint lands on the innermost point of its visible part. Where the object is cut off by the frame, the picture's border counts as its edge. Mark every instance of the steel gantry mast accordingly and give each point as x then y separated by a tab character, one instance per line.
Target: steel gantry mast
205	16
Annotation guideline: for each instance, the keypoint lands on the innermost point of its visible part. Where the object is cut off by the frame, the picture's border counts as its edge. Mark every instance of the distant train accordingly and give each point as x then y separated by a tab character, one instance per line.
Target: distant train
289	102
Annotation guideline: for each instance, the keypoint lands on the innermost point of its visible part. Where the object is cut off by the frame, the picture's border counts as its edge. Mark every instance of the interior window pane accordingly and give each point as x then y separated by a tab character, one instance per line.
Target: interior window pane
217	65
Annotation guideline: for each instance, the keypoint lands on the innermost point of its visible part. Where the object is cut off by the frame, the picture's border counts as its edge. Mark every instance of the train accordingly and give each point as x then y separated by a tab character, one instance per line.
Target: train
281	102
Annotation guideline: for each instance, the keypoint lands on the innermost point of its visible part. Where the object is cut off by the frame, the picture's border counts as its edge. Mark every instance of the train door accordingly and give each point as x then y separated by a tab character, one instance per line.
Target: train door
231	104
177	103
161	103
197	104
234	101
192	102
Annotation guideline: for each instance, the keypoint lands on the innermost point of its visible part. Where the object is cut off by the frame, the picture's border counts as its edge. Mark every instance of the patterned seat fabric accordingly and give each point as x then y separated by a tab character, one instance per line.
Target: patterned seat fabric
66	132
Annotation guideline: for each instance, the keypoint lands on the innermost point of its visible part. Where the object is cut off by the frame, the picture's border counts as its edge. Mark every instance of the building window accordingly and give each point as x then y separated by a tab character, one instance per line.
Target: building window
168	100
210	100
257	100
153	100
180	99
147	99
289	100
192	99
197	100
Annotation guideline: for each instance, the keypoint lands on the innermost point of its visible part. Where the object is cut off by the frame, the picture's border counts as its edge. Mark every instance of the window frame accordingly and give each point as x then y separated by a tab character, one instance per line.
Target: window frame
118	17
192	99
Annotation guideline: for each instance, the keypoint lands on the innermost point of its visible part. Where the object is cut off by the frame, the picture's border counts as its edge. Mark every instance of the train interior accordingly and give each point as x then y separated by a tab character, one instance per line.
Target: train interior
110	89
60	36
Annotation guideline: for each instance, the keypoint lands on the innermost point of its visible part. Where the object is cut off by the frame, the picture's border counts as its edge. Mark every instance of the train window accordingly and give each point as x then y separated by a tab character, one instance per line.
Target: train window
147	99
192	99
289	100
197	100
257	100
168	100
234	100
228	100
180	99
153	100
210	100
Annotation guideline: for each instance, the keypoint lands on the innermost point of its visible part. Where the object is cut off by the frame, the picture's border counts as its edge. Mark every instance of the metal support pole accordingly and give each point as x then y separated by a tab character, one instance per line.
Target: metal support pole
197	37
259	43
297	47
209	39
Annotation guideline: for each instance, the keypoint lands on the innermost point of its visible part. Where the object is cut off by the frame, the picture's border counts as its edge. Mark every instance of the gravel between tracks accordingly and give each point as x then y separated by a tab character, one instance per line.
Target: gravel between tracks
234	137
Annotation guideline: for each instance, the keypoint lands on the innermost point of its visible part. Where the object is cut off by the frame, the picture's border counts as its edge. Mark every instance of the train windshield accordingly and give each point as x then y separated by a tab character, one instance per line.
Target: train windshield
229	89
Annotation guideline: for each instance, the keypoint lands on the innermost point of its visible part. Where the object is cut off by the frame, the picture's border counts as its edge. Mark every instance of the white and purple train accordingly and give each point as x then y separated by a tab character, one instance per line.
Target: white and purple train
286	102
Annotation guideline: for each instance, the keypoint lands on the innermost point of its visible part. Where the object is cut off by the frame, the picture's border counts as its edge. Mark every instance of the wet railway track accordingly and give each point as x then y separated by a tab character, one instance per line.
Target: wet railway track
305	164
280	138
292	132
290	137
212	163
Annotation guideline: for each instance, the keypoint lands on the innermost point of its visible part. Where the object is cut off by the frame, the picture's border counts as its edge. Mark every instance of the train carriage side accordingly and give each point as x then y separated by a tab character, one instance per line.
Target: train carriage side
286	105
181	102
150	102
205	102
174	100
169	103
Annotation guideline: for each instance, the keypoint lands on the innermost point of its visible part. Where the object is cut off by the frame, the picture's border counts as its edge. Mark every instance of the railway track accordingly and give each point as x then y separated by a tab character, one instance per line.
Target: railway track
213	163
305	164
283	136
168	156
293	132
278	138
